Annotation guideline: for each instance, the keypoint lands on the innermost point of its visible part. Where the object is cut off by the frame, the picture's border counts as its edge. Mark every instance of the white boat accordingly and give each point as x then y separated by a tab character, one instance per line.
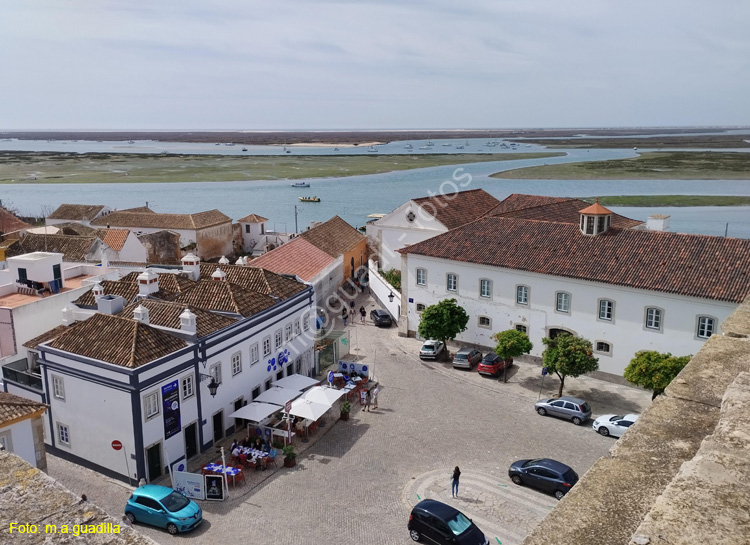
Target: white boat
430	144
371	149
459	147
423	147
447	145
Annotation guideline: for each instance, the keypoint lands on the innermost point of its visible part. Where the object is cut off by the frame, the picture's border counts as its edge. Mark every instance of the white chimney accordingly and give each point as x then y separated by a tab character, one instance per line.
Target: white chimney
192	264
219	276
240	261
658	222
98	291
68	318
140	314
223	261
110	304
148	282
187	321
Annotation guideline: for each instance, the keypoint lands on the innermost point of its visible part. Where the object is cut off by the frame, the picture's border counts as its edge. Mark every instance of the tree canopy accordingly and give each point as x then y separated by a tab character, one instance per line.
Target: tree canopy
443	321
569	356
654	370
511	343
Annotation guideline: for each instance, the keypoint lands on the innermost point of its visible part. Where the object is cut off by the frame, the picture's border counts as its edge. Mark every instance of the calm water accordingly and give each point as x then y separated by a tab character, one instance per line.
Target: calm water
353	198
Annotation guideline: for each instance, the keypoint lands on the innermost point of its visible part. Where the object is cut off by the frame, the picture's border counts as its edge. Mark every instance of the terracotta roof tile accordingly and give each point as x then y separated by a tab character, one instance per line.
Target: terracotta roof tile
73	248
297	257
10	223
167	314
47	336
596	208
114	238
255	279
76	212
162	221
145	209
14	408
518	201
692	265
253	218
225	297
454	210
126	290
335	237
117	340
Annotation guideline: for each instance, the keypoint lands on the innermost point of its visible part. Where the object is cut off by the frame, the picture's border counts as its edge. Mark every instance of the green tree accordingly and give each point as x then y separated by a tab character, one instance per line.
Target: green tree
654	370
443	321
568	356
393	277
511	343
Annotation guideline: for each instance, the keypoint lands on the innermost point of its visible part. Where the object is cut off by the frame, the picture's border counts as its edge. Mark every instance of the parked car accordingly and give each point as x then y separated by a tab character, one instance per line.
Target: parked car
431	350
442	524
161	506
544	474
572	408
467	357
492	364
614	425
381	318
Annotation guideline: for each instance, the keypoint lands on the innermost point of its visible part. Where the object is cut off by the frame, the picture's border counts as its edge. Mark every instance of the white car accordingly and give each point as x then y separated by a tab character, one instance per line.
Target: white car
431	350
614	424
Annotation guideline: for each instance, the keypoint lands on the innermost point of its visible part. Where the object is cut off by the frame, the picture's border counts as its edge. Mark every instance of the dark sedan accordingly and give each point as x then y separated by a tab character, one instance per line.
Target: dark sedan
544	474
381	318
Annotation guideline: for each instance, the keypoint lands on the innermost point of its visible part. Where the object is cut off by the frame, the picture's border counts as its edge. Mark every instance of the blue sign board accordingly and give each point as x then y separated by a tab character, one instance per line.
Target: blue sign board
544	371
170	395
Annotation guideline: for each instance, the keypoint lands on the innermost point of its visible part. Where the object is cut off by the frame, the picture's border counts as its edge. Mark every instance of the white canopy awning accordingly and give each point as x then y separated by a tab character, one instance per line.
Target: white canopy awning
278	396
304	408
296	382
323	395
255	412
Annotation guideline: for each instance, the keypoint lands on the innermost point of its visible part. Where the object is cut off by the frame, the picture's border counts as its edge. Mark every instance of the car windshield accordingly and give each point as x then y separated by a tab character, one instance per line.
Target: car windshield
462	356
532	462
585	407
428	348
459	524
175	502
615	418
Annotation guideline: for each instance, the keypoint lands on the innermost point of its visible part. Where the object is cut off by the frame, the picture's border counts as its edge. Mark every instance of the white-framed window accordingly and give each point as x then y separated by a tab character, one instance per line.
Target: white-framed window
522	295
603	347
306	321
522	328
151	405
451	282
188	386
58	387
63	434
485	321
266	346
288	332
562	302
421	277
236	363
215	372
277	336
420	307
653	318
297	330
706	327
485	288
254	355
606	310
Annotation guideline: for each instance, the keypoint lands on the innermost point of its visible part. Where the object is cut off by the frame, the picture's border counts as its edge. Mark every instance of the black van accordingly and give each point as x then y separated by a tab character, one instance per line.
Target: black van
437	522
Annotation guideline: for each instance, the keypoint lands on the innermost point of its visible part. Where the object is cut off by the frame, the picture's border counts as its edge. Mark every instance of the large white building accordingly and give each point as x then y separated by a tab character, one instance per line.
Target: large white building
137	370
553	266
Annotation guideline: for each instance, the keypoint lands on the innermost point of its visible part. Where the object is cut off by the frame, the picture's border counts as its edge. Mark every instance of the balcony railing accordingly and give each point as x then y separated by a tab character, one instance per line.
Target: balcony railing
17	372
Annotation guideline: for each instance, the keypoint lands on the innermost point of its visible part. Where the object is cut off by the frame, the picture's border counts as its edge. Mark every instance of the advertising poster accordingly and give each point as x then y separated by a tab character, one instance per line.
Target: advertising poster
170	395
214	487
189	484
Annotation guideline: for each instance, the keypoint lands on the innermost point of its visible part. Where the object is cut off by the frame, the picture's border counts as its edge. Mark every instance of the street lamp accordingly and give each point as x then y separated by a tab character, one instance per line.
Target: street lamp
212	386
390	297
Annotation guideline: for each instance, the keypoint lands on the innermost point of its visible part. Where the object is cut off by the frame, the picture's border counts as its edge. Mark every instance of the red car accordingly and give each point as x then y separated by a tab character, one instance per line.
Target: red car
492	364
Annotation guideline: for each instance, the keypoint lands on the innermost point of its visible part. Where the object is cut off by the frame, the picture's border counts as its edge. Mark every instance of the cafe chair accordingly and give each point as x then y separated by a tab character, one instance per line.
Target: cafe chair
204	471
240	477
271	458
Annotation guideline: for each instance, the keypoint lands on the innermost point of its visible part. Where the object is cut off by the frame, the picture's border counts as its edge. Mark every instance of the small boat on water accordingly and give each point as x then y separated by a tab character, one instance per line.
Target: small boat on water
335	149
310	199
423	147
244	149
408	146
371	149
300	184
460	147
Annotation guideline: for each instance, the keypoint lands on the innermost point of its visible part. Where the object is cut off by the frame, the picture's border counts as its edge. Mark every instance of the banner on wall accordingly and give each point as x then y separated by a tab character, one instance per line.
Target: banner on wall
170	395
348	367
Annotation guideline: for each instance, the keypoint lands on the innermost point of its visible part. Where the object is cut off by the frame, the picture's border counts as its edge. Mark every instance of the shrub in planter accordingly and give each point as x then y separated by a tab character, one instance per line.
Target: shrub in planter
290	457
346	408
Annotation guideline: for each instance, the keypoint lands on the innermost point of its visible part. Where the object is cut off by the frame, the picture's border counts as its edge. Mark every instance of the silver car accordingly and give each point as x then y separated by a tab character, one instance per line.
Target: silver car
571	408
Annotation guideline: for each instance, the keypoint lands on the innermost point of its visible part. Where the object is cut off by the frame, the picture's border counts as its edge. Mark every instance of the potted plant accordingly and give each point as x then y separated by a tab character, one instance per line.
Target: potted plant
290	457
346	408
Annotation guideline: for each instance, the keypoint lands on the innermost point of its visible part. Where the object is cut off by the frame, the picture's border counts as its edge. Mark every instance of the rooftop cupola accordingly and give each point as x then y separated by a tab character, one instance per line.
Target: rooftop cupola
187	321
224	260
595	219
192	264
140	314
219	276
148	282
98	291
240	261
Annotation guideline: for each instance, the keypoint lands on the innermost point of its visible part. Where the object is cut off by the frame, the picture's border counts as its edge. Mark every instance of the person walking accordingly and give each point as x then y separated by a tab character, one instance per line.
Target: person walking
454	481
344	315
368	399
362	314
351	314
375	392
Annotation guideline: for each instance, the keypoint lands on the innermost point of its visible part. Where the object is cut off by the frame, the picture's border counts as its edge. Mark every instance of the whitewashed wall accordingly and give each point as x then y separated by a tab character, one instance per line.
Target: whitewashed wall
380	289
22	438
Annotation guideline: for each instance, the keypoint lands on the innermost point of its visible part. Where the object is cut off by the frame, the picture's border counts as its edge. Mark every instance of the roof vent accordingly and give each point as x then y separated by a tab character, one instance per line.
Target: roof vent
98	291
187	321
68	318
148	282
658	222
219	276
110	304
140	314
223	261
192	264
595	219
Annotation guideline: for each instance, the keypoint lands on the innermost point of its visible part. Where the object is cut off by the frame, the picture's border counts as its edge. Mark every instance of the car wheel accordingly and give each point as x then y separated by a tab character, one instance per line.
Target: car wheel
577	421
171	528
131	517
516	480
541	411
416	536
604	431
559	494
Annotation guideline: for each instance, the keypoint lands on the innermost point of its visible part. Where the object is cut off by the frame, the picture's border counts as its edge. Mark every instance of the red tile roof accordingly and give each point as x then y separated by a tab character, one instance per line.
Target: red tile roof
225	297
255	279
114	238
76	212
295	257
693	265
518	201
73	248
15	408
596	208
10	223
335	237
163	221
167	314
456	209
253	218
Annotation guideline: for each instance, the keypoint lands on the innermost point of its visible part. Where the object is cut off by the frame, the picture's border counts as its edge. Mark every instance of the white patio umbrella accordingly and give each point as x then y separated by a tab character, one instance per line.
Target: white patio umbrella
255	412
323	395
278	395
296	382
304	408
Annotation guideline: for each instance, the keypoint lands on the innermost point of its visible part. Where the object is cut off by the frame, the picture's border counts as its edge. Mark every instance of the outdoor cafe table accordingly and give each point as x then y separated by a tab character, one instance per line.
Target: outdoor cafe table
226	470
254	454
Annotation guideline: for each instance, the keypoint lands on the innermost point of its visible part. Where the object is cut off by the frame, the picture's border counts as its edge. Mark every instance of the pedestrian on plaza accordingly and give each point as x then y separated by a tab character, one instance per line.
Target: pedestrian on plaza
362	314
454	481
351	313
375	392
344	315
368	399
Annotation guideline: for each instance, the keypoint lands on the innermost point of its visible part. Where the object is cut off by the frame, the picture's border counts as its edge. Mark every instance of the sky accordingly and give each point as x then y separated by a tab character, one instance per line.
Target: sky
372	64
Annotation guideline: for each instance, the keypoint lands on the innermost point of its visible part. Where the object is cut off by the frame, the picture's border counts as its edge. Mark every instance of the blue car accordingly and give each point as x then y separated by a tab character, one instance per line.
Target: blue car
161	506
